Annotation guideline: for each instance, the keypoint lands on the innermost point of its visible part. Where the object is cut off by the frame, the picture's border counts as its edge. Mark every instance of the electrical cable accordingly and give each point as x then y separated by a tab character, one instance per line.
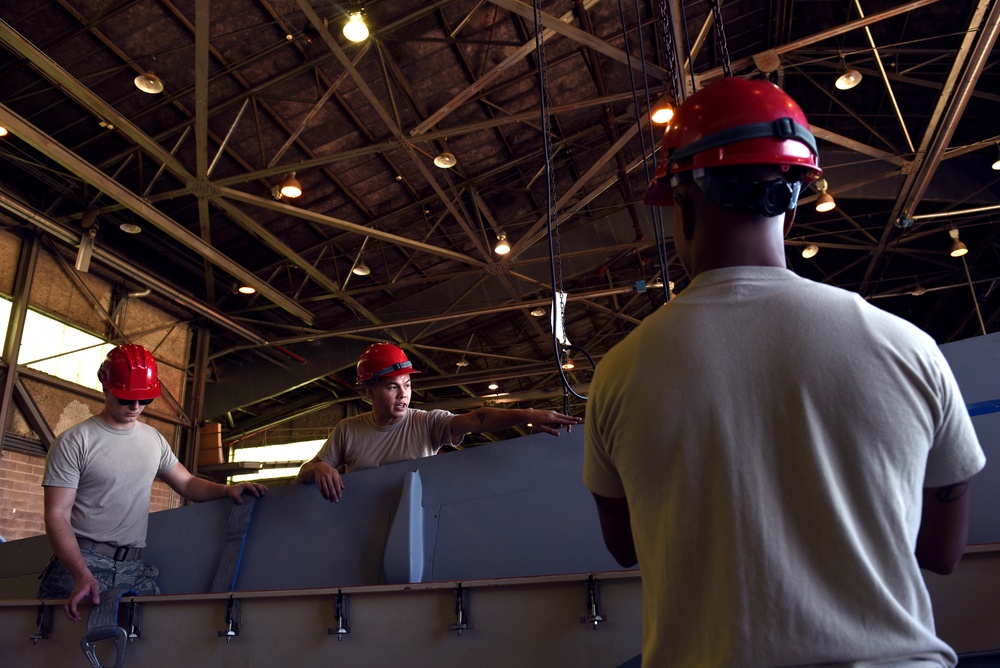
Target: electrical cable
555	263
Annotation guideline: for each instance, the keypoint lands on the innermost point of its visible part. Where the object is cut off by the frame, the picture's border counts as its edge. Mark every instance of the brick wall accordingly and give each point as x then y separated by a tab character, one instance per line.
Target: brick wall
21	502
22	497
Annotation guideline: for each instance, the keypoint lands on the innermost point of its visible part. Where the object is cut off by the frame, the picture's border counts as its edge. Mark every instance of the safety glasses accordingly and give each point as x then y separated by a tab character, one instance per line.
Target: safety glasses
129	402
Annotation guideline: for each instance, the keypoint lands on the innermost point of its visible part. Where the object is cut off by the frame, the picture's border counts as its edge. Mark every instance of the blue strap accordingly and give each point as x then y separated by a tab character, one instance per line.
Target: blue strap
232	551
984	407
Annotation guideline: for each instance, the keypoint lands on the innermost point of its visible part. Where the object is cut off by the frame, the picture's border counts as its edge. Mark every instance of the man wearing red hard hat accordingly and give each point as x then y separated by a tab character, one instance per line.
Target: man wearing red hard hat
98	476
762	445
394	432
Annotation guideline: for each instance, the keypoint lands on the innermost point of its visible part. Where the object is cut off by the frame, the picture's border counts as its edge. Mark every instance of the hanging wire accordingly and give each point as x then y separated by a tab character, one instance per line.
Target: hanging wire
657	213
720	31
551	213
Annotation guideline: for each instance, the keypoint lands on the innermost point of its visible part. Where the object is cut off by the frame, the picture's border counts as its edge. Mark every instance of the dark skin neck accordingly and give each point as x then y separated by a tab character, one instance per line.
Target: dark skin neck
709	237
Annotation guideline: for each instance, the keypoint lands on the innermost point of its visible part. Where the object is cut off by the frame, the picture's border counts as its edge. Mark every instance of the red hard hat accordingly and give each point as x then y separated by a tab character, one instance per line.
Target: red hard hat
129	372
734	121
383	360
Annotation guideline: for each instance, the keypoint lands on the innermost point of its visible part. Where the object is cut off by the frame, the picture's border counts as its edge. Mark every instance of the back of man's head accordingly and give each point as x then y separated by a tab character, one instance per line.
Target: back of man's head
726	137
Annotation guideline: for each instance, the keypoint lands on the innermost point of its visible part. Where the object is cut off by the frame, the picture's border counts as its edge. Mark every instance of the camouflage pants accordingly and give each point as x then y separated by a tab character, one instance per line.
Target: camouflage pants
110	574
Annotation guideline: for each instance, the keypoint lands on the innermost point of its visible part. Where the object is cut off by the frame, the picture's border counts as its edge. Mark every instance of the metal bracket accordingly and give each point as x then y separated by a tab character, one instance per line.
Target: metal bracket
232	619
44	621
133	620
461	611
594	615
342	611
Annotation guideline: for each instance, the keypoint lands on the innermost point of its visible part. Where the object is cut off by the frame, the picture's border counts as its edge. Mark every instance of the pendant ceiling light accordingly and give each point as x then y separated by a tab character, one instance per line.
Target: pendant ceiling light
825	201
361	269
355	28
502	247
149	83
849	79
958	248
445	160
291	187
567	362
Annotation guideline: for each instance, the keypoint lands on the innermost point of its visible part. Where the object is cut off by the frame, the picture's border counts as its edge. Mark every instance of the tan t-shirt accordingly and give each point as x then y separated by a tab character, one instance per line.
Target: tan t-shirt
358	443
112	471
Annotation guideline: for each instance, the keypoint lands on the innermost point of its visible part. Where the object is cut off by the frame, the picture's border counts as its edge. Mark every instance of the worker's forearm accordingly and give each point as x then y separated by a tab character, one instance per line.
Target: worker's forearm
307	473
488	419
199	489
66	548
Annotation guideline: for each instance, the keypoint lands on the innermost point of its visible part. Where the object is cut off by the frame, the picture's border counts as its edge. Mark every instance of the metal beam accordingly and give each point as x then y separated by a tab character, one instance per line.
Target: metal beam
962	78
750	61
26	264
129	270
347	226
490	78
90	174
583	38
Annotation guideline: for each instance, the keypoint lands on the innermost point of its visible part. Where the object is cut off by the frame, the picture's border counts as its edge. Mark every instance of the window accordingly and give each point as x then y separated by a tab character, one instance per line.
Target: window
58	349
292	454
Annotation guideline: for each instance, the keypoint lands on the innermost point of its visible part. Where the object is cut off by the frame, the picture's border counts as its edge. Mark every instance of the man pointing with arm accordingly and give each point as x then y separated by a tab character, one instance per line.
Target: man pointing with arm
393	432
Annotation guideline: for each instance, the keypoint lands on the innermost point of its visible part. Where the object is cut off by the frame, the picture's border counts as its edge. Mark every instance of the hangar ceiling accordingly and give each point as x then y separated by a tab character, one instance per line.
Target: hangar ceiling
257	90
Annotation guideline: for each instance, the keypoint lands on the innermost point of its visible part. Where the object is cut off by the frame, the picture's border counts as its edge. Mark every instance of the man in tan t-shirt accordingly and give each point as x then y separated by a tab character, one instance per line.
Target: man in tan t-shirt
98	475
394	432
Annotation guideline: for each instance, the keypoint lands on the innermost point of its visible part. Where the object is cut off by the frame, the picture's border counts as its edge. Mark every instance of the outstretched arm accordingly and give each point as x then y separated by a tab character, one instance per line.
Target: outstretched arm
616	525
326	477
193	488
944	527
489	419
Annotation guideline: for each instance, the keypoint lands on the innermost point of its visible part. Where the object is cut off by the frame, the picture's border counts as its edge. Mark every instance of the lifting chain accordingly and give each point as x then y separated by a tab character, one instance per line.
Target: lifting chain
720	31
667	24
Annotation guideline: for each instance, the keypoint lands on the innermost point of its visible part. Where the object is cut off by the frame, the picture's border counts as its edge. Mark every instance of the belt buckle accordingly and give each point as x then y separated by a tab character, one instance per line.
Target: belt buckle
121	553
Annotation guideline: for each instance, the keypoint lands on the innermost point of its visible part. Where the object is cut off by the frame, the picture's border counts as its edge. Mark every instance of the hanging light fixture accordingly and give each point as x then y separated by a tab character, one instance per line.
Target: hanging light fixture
361	269
849	79
958	249
538	312
825	201
246	289
567	361
502	247
290	187
3	131
445	160
810	251
995	166
462	362
130	228
662	112
148	82
493	386
355	28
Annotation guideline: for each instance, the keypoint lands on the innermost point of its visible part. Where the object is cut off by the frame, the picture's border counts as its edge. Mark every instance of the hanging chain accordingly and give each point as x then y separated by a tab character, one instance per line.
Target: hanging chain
667	24
720	31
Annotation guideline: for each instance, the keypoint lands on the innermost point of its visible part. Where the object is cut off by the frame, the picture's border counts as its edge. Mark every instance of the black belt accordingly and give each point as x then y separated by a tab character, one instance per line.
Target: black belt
116	552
